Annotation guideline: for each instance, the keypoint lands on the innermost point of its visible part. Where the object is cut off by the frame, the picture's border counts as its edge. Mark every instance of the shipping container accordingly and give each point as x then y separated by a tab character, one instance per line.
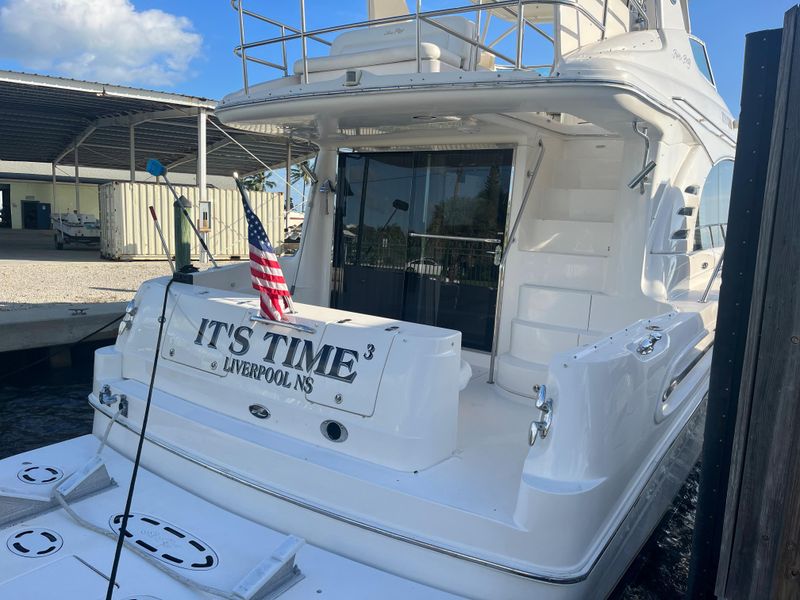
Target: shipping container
127	231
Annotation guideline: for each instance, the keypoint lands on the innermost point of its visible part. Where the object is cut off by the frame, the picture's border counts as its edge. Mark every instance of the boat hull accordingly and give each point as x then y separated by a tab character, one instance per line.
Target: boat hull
367	543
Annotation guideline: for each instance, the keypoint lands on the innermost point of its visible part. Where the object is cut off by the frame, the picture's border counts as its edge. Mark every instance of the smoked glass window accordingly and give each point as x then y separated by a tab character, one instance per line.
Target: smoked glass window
712	217
419	236
701	59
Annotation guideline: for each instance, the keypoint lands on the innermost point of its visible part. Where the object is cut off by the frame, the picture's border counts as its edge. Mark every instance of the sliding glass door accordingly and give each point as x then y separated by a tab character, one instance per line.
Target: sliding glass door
419	236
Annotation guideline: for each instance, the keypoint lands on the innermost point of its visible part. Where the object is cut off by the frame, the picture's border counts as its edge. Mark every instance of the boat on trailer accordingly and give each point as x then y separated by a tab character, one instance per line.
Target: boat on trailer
494	380
74	228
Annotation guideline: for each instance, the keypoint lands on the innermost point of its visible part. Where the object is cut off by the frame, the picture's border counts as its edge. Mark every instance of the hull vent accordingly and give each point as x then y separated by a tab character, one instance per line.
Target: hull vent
166	542
38	474
34	542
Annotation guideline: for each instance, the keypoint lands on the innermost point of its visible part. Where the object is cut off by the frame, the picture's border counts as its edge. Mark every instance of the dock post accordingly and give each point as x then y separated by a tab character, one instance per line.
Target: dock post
760	548
749	179
183	239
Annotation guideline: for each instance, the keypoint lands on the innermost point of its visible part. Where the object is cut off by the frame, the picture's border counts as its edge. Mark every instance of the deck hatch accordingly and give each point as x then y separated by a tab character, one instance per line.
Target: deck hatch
167	542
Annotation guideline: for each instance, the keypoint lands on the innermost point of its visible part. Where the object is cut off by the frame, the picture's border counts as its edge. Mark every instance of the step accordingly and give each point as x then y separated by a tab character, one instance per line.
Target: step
570	271
538	342
519	376
560	307
602	173
569	204
571	237
612	313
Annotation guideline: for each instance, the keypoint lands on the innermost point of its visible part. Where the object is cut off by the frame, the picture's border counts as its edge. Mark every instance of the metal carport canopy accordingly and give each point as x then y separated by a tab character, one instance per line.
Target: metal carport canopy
43	119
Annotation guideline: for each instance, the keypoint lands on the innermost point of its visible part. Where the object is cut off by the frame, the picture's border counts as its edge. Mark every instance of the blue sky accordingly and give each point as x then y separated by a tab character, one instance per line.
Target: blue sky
185	45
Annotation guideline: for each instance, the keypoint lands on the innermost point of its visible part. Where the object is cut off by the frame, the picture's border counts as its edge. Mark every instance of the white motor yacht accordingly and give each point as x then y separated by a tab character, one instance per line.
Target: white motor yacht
493	382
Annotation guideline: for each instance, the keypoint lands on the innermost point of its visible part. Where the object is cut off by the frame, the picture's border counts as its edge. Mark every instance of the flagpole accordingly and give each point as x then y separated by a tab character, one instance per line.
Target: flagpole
265	269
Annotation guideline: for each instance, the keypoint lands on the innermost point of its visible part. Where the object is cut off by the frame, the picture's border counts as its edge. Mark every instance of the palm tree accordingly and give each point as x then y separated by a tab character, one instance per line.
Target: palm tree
298	173
259	182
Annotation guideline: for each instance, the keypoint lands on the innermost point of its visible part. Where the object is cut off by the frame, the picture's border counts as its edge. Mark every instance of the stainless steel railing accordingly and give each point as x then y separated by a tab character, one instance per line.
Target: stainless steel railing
501	280
713	278
512	8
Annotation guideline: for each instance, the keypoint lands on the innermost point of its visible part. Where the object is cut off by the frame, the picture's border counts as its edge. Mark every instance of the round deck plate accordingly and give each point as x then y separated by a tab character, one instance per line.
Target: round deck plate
40	475
34	542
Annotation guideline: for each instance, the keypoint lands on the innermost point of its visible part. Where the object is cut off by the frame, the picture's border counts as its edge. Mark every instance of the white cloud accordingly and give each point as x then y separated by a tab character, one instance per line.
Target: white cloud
102	40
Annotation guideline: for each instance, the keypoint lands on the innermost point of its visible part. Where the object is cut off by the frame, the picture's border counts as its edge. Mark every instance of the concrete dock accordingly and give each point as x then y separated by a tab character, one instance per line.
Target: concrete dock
52	297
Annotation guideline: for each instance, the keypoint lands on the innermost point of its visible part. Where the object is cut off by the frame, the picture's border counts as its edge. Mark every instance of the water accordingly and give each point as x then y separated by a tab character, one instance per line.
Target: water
40	405
662	568
48	406
38	415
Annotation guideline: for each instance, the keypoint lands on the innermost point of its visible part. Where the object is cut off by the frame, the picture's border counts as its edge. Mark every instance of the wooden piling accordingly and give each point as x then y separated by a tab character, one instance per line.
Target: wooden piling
759	85
760	550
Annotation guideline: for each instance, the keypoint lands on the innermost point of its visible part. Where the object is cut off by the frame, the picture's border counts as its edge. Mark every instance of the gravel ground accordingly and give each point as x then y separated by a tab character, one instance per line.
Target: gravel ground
33	273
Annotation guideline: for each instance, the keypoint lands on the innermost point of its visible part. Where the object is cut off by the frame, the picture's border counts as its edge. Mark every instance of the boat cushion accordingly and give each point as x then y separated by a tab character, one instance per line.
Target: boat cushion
385	56
387	44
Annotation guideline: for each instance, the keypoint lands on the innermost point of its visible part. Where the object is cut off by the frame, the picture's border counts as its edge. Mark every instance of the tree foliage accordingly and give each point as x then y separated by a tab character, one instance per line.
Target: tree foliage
259	182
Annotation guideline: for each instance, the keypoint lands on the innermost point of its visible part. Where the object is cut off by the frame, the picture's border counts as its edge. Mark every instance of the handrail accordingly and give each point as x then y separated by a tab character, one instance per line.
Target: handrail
454	238
642	133
514	8
703	119
464	38
714	275
255	15
243	55
502	266
533	173
430	14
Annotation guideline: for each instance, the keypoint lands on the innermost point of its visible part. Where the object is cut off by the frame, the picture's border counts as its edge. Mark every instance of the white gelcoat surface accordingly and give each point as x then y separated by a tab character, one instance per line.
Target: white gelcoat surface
436	484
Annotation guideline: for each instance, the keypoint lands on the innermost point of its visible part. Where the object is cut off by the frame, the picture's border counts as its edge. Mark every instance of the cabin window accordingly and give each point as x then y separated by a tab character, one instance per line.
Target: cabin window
701	59
712	217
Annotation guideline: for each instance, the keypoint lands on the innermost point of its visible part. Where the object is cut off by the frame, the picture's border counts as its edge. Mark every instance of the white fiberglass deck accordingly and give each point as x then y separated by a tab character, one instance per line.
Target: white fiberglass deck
482	477
78	568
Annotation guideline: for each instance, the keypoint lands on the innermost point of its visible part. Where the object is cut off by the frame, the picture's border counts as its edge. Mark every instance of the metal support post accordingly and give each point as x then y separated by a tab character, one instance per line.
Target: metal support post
283	53
201	178
77	182
418	24
53	192
241	41
476	49
132	150
520	33
287	201
303	39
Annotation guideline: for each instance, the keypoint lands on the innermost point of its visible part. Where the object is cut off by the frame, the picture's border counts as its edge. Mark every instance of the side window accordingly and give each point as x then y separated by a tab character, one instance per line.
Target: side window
701	59
712	216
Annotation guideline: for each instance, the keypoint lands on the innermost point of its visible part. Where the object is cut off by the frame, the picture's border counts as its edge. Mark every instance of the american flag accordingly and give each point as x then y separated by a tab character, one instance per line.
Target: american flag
265	271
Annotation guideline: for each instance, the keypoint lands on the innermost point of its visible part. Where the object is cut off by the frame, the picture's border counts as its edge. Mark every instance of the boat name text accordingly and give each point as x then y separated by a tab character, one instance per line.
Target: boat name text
283	356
